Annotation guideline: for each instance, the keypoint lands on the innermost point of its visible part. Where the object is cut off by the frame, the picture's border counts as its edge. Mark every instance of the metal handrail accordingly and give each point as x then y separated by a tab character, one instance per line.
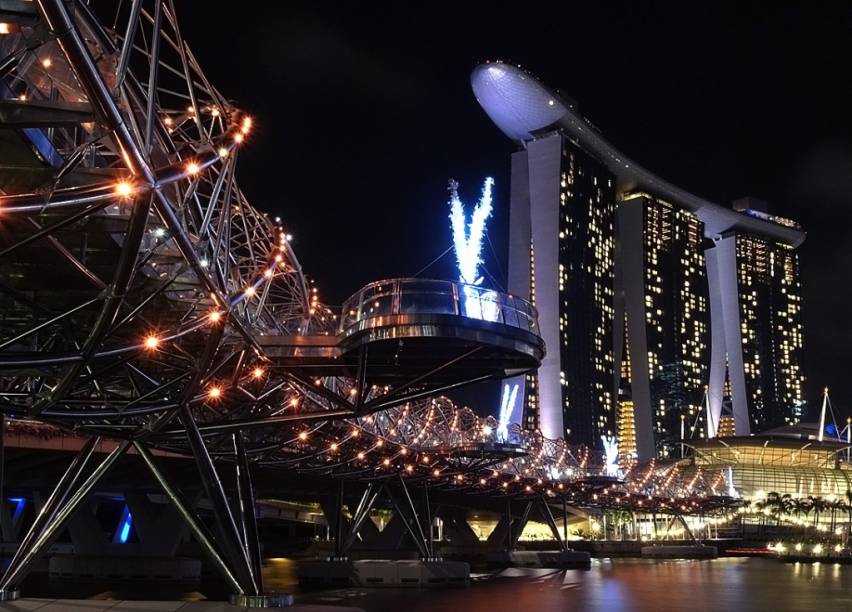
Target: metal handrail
469	301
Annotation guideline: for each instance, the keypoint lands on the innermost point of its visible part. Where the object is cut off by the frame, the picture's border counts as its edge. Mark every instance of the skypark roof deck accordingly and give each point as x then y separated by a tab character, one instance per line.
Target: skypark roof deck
524	108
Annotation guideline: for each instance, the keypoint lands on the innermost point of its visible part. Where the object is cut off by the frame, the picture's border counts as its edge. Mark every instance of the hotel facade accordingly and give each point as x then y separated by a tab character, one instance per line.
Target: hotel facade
666	316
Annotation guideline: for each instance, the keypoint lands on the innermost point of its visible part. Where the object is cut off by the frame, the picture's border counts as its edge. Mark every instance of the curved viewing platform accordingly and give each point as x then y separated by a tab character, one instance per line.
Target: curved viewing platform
414	297
400	331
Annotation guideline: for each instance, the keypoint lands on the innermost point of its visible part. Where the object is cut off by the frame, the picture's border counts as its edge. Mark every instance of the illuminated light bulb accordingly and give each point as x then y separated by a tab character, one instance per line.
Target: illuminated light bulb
505	485
168	121
223	152
267	273
214	392
333	446
380	443
215	112
436	472
246	125
46	62
294	402
190	109
152	342
5	28
204	263
425	458
22	97
352	392
360	455
279	258
250	291
257	372
386	462
355	433
159	232
192	168
238	138
123	189
482	481
303	435
409	468
403	451
288	237
215	316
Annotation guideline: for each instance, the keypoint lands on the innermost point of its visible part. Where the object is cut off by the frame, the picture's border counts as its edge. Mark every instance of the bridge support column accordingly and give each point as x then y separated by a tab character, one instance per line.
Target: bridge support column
60	506
159	526
551	522
195	525
371	493
517	528
86	534
456	527
410	519
248	510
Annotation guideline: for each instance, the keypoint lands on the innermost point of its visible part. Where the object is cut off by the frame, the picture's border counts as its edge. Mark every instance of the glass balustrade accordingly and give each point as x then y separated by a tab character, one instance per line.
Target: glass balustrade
414	296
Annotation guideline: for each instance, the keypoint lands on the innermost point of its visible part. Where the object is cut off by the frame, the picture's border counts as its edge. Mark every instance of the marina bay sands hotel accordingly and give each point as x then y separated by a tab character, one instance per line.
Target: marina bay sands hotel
665	315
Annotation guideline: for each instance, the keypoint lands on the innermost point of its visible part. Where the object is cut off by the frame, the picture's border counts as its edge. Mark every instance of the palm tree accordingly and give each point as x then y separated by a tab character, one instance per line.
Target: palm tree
848	508
775	505
786	504
818	504
803	505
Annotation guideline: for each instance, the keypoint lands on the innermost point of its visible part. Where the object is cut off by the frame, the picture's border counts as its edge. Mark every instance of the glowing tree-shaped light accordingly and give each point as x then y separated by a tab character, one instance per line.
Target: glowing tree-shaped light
467	241
611	452
507	406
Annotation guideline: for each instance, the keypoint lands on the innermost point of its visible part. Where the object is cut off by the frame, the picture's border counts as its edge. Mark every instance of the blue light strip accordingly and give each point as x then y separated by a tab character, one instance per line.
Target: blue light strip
20	502
124	525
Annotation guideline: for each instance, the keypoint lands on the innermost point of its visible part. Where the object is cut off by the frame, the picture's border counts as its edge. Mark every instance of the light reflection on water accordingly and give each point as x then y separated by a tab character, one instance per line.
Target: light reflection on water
731	585
629	584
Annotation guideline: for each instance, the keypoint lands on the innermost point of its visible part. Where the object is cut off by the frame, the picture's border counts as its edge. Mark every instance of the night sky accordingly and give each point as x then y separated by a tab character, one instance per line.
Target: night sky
364	110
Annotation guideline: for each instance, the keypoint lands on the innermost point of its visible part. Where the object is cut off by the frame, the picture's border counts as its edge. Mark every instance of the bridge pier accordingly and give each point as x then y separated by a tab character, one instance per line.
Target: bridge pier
66	497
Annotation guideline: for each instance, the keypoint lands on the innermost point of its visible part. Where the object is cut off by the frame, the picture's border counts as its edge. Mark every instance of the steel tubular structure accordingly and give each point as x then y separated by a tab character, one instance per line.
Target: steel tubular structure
134	274
145	300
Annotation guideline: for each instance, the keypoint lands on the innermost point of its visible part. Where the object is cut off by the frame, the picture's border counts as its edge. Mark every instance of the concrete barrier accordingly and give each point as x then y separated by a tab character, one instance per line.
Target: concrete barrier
560	559
683	551
383	573
160	569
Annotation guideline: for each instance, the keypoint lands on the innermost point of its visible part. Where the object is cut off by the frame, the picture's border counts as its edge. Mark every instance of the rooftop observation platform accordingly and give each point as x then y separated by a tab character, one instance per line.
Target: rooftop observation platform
524	109
418	334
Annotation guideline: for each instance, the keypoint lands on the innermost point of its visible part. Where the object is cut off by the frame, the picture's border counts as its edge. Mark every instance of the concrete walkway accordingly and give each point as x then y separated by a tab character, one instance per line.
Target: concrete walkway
99	605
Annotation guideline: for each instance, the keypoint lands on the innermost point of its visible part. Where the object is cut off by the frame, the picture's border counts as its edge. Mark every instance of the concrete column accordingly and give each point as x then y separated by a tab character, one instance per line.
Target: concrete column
544	167
159	526
87	534
726	337
630	299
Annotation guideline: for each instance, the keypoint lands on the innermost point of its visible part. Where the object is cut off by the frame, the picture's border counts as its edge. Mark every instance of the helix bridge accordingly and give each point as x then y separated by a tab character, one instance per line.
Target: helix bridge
145	301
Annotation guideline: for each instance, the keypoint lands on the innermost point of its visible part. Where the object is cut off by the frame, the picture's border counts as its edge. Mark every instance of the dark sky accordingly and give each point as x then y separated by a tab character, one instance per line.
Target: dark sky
364	110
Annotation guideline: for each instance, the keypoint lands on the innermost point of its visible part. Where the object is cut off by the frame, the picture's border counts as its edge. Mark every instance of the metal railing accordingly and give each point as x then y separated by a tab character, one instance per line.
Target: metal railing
414	296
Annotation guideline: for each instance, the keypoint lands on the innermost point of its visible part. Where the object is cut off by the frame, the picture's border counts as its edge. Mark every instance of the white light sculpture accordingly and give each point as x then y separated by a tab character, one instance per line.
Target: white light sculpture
507	406
611	452
467	240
